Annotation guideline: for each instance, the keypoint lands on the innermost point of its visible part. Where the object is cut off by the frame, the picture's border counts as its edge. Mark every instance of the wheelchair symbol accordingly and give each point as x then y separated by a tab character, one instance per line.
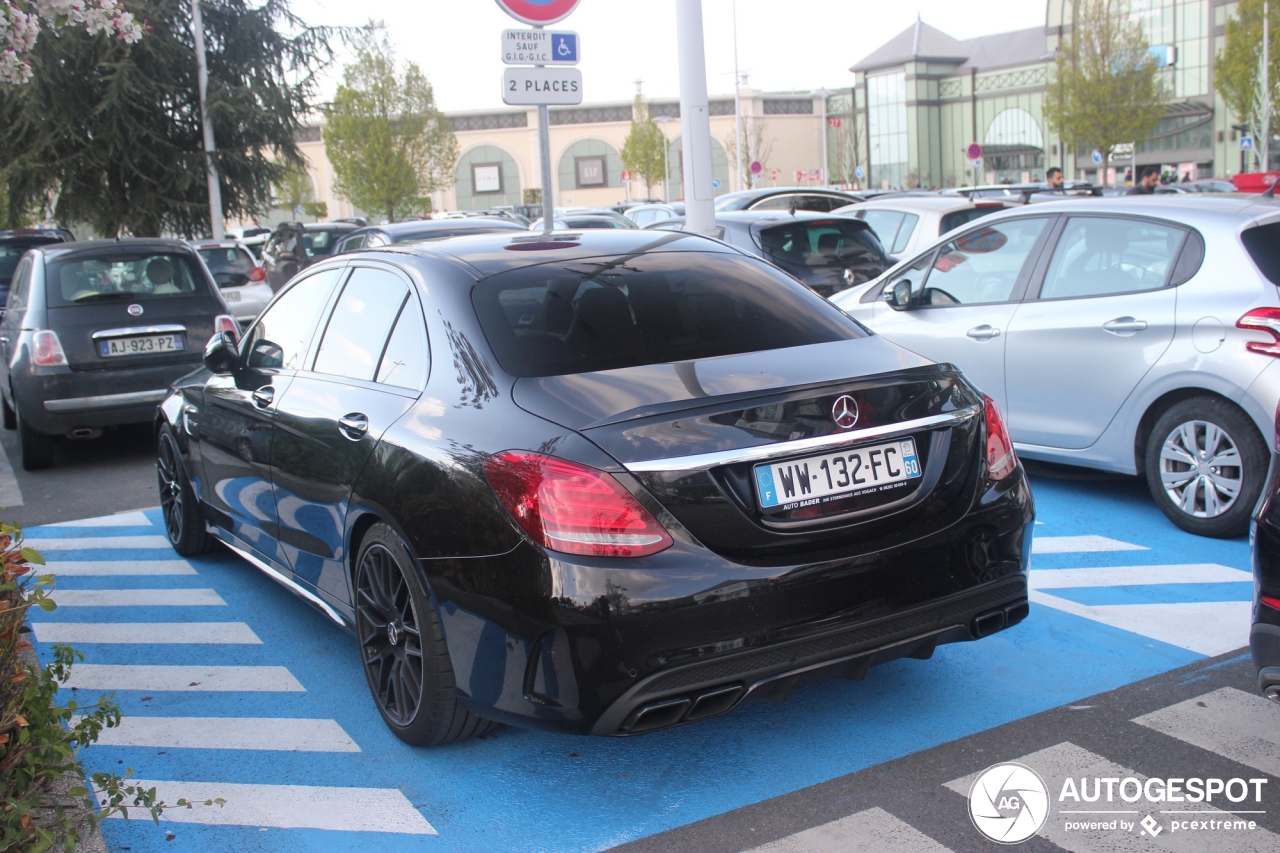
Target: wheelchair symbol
563	49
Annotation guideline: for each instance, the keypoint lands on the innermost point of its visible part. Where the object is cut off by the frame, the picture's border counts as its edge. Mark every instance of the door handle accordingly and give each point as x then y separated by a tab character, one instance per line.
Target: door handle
1124	324
354	426
263	396
983	333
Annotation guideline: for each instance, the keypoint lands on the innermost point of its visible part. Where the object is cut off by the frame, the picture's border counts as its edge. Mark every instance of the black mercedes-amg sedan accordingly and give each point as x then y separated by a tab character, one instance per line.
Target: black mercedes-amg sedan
600	482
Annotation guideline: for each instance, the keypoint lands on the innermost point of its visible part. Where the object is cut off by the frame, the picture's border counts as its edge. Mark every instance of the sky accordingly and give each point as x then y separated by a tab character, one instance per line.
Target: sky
797	45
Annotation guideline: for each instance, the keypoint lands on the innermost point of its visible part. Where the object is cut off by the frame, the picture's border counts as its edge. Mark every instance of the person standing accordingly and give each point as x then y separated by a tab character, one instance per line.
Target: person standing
1054	179
1147	184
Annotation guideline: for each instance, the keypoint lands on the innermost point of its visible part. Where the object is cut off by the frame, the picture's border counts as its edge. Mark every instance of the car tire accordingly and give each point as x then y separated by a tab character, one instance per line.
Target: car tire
1202	498
402	647
37	448
10	416
183	523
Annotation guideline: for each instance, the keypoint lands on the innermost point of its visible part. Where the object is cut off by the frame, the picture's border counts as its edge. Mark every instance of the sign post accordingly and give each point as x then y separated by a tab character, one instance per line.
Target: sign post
974	153
541	85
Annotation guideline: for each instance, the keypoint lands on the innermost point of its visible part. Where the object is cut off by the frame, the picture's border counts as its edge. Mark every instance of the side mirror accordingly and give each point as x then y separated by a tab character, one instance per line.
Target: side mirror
899	296
220	354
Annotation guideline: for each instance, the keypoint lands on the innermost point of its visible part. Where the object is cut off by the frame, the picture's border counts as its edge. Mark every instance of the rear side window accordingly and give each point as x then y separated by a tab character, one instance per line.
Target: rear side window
955	219
357	331
1104	256
608	313
317	244
824	242
406	361
11	252
140	277
1263	245
21	283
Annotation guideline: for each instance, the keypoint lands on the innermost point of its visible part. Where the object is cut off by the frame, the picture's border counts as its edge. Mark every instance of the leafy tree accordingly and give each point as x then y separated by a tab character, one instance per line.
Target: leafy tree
296	193
114	128
389	145
642	149
1238	73
1104	89
20	27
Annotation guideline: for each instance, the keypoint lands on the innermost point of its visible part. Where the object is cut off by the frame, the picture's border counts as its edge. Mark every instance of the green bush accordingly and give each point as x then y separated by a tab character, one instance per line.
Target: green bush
40	740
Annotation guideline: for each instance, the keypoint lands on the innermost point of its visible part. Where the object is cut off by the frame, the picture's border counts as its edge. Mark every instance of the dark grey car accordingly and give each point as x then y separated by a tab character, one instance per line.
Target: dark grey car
94	333
376	236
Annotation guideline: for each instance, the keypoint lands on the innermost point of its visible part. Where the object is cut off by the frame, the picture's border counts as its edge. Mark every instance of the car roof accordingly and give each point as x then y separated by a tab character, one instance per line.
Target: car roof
419	226
214	244
1225	210
761	192
496	252
941	203
121	246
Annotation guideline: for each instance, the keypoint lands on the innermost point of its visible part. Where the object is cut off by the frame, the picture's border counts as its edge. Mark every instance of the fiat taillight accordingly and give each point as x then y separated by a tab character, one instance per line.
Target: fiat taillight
47	349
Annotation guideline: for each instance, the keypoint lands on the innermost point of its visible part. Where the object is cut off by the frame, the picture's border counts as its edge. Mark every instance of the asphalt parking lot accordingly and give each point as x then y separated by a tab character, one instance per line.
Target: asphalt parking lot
232	687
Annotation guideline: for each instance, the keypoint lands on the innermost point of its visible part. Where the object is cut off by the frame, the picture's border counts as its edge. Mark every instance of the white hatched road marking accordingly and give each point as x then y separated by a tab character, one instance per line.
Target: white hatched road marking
871	831
256	733
1136	576
132	518
159	633
138	598
293	807
91	543
1079	545
1066	760
201	679
1209	628
1243	727
103	568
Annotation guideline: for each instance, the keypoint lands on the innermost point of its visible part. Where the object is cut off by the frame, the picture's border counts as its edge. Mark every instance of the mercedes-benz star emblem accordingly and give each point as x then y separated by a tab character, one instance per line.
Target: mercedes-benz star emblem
393	632
844	411
134	310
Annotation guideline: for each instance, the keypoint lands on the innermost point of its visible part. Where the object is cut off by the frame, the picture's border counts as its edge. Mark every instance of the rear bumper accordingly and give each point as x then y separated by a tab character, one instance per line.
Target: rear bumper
55	400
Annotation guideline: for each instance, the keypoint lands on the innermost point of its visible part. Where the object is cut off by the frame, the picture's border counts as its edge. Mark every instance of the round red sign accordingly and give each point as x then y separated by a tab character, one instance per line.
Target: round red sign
538	12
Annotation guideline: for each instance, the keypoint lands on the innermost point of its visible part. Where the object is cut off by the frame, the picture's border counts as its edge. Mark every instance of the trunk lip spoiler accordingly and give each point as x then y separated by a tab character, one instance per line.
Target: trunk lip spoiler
760	453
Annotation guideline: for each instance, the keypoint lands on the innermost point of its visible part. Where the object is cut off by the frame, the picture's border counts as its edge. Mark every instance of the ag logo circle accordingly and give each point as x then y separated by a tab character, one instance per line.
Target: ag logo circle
1008	803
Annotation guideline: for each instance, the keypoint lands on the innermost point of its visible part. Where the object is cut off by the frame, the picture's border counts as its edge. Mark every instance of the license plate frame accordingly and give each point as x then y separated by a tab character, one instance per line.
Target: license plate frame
778	491
141	345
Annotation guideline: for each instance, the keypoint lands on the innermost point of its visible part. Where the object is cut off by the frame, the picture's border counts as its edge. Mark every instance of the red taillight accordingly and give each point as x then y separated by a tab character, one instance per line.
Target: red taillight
257	274
48	349
1271	602
1001	461
1263	320
226	323
573	508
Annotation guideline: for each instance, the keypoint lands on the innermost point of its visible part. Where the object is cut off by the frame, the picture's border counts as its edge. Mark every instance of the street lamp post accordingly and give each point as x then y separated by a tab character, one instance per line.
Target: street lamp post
824	94
695	119
666	170
737	104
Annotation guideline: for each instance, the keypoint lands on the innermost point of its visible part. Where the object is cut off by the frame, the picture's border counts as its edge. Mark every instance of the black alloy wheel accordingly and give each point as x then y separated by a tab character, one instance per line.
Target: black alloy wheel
182	521
402	648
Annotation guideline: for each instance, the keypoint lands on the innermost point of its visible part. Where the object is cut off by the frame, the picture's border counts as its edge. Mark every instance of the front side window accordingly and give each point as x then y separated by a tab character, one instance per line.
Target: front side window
357	330
140	277
982	265
614	312
282	334
1103	256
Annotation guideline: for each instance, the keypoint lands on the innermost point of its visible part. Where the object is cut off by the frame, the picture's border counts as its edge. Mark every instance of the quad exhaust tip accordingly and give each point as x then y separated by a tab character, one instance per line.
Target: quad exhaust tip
683	709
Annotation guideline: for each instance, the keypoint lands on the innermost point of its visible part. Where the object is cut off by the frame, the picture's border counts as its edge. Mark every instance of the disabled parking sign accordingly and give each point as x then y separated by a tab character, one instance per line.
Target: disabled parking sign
538	13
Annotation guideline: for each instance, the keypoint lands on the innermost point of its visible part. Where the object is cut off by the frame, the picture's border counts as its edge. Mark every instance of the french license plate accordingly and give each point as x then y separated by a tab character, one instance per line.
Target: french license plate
140	345
231	295
817	479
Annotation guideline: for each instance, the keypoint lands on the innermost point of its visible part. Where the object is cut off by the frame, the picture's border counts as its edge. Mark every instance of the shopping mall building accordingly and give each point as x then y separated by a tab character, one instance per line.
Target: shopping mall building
913	108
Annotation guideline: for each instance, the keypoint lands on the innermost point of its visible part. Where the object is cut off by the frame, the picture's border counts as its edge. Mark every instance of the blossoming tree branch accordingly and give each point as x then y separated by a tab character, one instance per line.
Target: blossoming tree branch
20	23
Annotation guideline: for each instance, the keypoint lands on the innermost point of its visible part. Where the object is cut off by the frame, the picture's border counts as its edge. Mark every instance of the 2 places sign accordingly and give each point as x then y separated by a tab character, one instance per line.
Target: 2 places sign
534	86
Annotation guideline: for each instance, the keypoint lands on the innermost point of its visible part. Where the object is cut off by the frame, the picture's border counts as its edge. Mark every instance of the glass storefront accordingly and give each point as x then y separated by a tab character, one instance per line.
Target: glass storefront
887	129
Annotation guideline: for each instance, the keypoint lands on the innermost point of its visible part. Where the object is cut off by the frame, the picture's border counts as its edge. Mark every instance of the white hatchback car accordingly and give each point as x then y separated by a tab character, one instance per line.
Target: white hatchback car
242	281
907	223
1139	335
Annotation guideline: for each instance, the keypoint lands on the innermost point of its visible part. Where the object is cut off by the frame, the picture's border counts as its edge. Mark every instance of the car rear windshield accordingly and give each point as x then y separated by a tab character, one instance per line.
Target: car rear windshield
823	242
11	251
230	265
614	312
149	275
319	243
956	218
1263	245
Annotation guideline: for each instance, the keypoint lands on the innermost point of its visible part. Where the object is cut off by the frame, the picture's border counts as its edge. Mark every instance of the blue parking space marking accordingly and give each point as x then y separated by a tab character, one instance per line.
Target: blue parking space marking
517	789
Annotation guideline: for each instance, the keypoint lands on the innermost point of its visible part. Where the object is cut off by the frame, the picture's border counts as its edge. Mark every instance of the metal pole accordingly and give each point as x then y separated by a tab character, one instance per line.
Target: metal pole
1266	86
737	103
544	156
202	78
695	120
824	94
666	170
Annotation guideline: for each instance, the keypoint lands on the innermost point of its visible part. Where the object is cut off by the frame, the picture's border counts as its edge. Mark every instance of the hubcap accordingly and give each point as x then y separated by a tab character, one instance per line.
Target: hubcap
170	488
390	643
1200	469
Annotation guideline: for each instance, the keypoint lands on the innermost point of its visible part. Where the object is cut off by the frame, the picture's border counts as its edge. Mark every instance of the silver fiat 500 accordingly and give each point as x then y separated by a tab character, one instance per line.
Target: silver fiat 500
1138	335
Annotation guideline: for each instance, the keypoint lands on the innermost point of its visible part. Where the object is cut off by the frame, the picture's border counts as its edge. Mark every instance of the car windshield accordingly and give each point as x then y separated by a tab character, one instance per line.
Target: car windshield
734	202
11	251
319	243
150	275
230	265
615	312
583	222
823	242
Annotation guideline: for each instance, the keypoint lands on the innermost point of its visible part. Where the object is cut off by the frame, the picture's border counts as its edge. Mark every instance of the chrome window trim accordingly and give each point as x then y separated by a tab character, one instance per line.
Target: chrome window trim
165	328
705	461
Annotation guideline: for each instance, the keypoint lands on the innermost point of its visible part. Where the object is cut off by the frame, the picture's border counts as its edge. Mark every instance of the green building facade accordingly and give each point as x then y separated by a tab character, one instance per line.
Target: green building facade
921	99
